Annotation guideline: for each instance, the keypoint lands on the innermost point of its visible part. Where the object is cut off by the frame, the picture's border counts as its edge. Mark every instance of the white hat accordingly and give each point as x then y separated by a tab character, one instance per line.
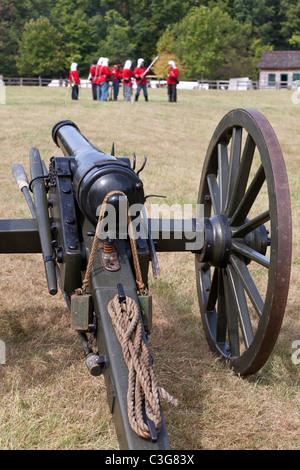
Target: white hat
128	64
74	66
139	62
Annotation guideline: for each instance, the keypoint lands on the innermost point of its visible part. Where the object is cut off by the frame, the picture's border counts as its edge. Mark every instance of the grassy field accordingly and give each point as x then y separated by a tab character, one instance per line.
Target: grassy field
48	400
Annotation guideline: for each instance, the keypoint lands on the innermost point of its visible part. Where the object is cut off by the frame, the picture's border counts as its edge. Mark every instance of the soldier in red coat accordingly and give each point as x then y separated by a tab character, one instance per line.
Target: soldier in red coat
74	81
92	78
104	77
141	80
97	78
116	75
127	76
172	80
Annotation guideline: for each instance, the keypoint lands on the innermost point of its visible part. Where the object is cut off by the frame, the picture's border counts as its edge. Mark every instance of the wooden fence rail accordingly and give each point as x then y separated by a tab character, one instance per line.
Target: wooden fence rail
23	81
155	81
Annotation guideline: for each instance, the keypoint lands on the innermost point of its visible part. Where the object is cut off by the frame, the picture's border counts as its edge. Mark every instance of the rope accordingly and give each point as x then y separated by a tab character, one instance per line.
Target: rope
143	392
139	280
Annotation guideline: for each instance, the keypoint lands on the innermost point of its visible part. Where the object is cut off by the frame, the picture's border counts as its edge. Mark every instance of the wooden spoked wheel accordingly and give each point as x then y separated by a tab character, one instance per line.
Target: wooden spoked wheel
244	269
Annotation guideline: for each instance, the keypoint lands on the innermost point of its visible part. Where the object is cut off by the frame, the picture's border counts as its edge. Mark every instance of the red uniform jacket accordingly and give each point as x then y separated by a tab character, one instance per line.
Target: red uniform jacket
116	73
73	77
138	72
127	76
102	74
172	76
93	73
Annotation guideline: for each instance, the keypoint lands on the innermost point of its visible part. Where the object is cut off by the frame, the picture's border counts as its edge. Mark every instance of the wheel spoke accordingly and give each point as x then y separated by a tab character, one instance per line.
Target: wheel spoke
214	192
221	314
223	173
241	306
213	292
242	271
234	162
251	225
243	175
249	197
232	317
249	253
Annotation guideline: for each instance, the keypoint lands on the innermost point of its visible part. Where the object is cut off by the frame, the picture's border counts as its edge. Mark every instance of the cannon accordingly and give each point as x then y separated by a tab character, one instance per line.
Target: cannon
97	243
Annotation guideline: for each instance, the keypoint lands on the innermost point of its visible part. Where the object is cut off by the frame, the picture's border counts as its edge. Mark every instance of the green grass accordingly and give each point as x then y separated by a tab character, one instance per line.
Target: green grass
47	399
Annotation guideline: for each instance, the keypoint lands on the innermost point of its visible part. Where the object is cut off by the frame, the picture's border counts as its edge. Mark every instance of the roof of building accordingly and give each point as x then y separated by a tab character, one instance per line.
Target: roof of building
280	60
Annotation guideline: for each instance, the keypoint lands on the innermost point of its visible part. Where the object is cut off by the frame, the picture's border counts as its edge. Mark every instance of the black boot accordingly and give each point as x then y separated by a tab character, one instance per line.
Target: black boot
136	97
146	98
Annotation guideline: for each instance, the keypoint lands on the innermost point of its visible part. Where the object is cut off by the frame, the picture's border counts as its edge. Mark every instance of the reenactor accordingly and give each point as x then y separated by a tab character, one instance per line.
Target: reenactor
116	76
140	73
74	81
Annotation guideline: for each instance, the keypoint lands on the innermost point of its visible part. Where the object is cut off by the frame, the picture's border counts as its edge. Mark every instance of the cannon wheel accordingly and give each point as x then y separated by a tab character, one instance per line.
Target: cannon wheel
243	272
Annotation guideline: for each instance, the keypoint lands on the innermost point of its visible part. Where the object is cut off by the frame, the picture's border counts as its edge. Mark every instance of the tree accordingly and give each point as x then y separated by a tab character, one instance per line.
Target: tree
215	37
149	19
290	25
13	16
78	40
263	16
166	48
209	43
40	51
116	44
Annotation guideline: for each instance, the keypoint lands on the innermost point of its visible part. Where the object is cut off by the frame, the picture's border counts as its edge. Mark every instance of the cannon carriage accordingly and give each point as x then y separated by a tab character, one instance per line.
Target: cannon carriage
89	223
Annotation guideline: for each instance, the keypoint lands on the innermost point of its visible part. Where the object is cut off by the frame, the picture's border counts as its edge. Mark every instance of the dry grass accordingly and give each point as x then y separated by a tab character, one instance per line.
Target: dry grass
48	401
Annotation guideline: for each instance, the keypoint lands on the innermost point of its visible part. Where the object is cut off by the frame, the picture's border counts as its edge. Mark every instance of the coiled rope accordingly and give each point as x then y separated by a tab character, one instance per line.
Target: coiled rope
143	393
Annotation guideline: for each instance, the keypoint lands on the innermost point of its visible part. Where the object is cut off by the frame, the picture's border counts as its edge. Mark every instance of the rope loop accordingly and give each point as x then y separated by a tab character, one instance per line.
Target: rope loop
142	393
139	280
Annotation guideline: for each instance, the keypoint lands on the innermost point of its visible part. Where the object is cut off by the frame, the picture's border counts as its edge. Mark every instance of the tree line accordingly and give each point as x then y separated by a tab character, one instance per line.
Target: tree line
207	39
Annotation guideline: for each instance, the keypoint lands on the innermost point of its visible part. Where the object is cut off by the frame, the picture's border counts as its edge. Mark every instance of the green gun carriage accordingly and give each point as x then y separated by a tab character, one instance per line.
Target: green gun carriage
241	242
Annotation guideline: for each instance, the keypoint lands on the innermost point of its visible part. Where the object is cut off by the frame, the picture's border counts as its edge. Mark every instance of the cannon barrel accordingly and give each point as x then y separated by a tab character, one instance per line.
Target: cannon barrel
69	139
95	173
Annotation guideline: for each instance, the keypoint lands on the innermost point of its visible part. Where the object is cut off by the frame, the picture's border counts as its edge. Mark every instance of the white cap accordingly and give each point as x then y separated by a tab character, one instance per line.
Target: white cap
128	64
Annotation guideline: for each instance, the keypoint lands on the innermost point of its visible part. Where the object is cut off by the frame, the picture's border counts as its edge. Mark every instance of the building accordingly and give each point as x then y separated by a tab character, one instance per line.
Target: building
279	69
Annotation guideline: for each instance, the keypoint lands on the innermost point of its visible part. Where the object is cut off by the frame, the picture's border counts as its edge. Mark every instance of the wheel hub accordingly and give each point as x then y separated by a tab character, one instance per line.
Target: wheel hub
258	240
217	241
